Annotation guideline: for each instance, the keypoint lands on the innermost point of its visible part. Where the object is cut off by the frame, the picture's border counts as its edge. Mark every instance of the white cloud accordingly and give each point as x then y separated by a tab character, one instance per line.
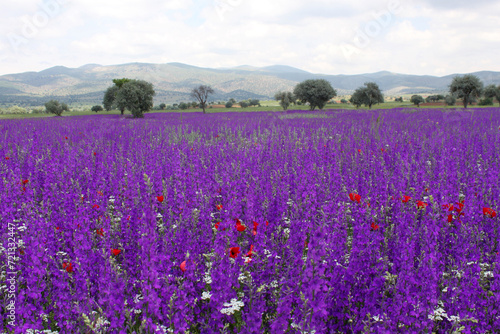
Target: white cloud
425	37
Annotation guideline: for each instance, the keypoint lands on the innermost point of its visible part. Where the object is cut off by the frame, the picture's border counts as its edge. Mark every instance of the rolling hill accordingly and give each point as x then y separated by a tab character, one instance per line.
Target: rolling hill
174	81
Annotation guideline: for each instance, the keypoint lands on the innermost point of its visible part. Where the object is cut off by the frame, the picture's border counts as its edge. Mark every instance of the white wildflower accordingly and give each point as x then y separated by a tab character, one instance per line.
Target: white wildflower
206	295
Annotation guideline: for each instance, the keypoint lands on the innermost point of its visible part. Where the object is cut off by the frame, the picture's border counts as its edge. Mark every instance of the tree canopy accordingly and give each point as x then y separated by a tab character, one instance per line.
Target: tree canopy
417	99
492	91
317	92
285	99
133	95
368	95
467	88
54	107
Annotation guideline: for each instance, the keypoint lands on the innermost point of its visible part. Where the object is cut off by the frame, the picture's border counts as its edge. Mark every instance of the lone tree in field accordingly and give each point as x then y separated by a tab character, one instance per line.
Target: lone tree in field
317	92
417	99
54	107
492	91
201	94
96	109
467	87
136	96
368	95
284	98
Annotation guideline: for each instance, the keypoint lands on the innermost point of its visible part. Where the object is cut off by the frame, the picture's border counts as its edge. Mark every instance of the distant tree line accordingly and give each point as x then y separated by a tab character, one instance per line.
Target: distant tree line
137	96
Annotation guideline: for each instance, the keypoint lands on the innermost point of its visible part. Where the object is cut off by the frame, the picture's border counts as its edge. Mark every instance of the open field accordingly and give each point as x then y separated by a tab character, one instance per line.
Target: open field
340	221
266	106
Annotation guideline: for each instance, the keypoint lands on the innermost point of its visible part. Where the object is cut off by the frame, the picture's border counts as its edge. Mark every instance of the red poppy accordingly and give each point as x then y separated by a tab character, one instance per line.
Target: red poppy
267	223
95	153
249	255
359	150
219	207
381	150
217	136
65	137
421	205
68	267
254	231
489	212
115	252
405	199
234	251
159	198
95	206
460	208
374	226
450	218
426	189
100	232
7	158
183	266
240	227
24	189
128	217
25	181
217	225
99	193
355	197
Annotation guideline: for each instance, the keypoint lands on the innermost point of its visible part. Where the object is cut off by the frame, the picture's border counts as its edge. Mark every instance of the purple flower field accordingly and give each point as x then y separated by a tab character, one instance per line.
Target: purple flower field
301	222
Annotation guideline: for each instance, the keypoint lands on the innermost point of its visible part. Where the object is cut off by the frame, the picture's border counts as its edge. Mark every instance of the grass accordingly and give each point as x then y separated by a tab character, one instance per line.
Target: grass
265	106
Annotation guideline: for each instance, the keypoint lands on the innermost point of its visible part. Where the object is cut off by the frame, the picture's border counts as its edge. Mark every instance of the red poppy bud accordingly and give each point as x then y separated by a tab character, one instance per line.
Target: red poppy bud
219	207
68	267
374	226
183	266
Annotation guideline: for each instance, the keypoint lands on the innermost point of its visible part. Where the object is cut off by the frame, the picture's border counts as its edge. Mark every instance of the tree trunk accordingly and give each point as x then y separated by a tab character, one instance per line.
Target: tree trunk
122	111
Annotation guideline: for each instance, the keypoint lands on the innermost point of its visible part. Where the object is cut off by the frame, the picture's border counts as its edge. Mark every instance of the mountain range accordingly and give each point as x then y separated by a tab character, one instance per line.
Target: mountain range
173	82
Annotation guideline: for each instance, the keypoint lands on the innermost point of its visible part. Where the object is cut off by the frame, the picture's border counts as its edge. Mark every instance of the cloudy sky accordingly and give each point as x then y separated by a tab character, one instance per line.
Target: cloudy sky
435	37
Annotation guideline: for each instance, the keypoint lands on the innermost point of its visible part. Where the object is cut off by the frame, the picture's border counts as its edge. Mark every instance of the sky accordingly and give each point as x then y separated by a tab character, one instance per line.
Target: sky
427	37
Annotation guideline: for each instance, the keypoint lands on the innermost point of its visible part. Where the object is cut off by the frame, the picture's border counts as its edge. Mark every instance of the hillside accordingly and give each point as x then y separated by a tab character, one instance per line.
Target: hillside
174	81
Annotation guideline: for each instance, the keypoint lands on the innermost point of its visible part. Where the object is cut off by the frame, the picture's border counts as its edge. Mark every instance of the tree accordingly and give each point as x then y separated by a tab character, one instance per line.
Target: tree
467	87
344	101
201	94
229	104
183	106
96	109
417	99
398	99
368	95
317	92
450	100
284	98
492	91
254	102
136	96
54	107
243	104
487	101
163	106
